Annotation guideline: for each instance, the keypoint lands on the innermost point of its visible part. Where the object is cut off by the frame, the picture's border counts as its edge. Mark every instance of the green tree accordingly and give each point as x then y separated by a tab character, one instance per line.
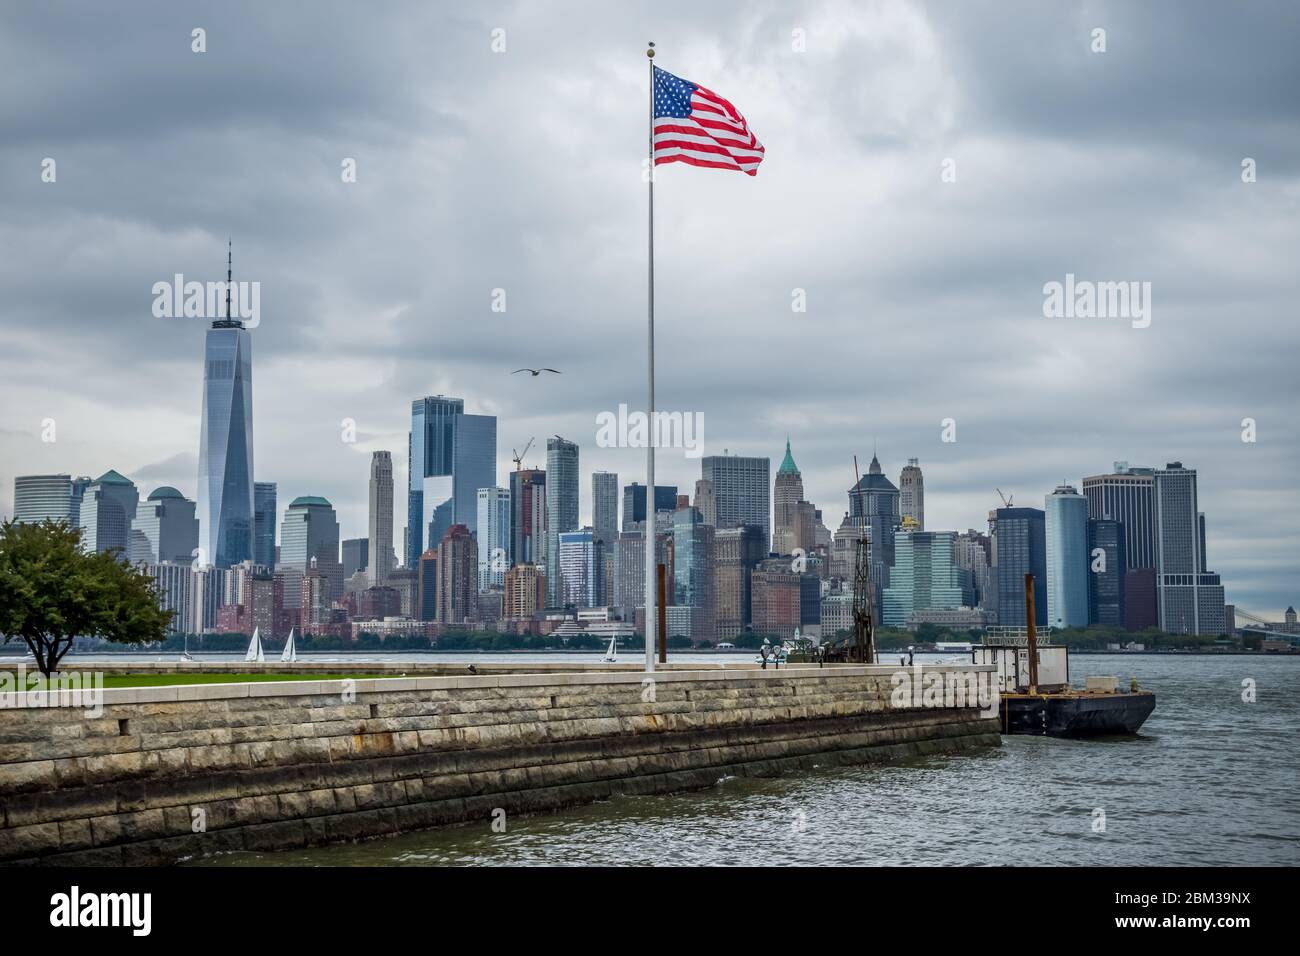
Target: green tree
51	591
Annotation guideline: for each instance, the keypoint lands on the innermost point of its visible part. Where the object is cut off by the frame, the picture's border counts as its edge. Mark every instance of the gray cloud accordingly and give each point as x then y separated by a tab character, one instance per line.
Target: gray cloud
522	171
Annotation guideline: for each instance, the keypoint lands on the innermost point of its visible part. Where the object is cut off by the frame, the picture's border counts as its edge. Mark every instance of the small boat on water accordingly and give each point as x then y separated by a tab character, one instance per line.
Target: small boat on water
290	653
185	654
611	652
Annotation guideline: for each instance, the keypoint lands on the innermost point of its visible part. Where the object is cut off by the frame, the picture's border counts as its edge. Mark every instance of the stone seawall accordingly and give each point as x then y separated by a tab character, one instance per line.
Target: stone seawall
169	773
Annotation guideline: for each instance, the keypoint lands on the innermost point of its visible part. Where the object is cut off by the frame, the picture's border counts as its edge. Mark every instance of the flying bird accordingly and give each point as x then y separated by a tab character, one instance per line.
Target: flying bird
537	371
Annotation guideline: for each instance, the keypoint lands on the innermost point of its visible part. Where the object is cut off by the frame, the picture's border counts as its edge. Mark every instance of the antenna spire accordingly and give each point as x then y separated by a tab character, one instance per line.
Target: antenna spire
229	245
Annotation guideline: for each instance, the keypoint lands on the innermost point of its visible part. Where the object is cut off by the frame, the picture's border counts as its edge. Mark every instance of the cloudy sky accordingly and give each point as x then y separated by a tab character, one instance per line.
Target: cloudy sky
521	170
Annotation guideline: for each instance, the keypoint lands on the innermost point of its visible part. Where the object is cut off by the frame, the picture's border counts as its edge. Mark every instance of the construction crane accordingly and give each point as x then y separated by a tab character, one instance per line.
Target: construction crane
519	456
1006	502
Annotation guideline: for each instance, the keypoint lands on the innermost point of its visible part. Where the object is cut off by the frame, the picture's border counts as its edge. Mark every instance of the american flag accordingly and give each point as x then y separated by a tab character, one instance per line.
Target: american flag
697	126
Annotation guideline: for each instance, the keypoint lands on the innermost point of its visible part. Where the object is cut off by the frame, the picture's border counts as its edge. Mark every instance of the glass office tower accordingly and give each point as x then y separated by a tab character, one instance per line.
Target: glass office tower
264	501
39	498
742	491
1066	520
925	576
493	537
1020	546
226	446
450	456
561	509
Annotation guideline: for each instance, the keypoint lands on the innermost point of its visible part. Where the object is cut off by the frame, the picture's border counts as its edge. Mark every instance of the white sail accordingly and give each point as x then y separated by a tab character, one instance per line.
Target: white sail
290	653
255	648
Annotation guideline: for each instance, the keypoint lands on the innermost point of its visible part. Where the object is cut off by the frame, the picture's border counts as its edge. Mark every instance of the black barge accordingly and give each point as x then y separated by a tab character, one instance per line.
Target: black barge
1036	695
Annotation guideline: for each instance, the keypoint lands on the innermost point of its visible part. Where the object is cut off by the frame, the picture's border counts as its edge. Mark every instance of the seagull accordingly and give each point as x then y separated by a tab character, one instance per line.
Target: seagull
537	371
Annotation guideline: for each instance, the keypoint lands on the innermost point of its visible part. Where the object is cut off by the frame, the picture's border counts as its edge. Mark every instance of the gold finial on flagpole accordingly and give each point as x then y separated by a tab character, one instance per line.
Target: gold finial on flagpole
651	52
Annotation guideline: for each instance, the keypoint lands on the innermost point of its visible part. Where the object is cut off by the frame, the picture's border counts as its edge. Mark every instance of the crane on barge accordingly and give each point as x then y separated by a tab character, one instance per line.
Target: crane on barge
862	648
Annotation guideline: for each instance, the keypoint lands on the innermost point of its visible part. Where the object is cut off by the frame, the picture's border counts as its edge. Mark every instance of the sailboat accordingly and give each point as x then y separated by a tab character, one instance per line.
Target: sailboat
185	654
611	653
290	653
255	648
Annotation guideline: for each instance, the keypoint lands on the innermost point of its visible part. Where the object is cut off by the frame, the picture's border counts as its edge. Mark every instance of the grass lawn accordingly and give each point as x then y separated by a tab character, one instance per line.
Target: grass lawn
168	680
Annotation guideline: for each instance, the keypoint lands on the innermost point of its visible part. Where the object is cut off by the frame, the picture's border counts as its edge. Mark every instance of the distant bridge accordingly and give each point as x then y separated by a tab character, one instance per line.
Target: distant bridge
1247	621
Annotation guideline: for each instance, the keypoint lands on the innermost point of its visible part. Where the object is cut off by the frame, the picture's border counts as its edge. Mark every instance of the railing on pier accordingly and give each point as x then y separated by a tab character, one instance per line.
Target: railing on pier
1007	635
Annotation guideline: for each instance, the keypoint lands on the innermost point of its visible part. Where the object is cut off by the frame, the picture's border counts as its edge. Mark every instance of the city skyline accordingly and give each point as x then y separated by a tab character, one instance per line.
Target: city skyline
950	281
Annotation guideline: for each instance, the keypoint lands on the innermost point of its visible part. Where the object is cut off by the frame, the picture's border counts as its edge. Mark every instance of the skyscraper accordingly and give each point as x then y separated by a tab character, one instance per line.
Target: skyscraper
604	521
736	552
705	501
41	497
972	552
1127	496
493	537
451	456
911	493
604	507
174	583
807	519
1107	572
310	532
226	442
356	556
844	547
873	503
264	509
1189	599
527	516
582	568
742	490
457	576
525	593
634	503
628	591
1020	547
207	592
164	529
107	510
1066	525
561	509
925	576
426	587
315	599
380	548
777	595
787	492
79	486
693	570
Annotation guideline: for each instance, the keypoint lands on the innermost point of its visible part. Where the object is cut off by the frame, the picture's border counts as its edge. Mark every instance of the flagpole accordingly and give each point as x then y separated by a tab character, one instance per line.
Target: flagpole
651	631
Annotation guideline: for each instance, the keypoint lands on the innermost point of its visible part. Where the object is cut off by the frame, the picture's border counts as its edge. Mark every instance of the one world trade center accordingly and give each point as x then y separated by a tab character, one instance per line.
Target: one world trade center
226	444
